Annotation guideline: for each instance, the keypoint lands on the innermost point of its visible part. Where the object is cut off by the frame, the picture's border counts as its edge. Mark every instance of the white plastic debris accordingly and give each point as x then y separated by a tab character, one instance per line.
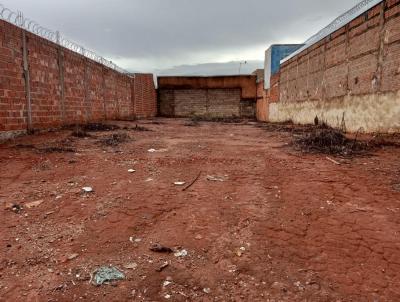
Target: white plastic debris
181	253
215	178
179	183
154	150
166	283
207	290
135	240
131	171
87	189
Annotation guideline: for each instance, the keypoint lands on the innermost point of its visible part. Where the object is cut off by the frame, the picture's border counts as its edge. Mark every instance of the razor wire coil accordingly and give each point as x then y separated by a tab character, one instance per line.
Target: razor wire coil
18	19
339	22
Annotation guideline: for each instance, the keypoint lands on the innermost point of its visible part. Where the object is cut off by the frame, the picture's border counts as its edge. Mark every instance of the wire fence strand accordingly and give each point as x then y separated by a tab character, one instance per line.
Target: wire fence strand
18	19
339	22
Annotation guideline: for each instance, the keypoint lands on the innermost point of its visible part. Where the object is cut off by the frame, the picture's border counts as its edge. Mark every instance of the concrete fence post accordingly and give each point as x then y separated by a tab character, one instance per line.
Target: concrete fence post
323	83
207	101
133	101
347	51
381	51
27	82
307	80
104	93
86	91
116	96
62	84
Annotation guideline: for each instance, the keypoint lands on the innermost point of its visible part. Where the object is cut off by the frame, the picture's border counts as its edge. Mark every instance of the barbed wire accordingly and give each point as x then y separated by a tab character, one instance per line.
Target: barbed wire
18	19
339	22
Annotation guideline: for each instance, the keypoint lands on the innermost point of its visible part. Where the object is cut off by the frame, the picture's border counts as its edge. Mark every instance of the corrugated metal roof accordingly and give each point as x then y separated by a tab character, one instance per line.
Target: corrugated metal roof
338	23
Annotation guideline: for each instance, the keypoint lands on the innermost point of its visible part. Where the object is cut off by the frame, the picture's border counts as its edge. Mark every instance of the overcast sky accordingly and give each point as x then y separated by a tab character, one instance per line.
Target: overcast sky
148	35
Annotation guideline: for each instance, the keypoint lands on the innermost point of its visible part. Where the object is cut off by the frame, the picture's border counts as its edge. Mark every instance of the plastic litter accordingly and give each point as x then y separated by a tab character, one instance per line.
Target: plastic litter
181	253
106	274
87	189
154	150
215	178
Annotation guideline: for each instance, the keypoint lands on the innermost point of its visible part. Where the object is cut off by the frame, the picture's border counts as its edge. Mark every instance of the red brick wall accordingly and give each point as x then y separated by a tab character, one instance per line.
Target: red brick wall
262	103
145	96
223	102
12	89
361	58
265	97
65	87
246	83
214	96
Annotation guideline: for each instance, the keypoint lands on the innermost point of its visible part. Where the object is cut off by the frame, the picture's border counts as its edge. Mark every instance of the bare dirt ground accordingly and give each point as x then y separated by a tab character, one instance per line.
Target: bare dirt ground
271	224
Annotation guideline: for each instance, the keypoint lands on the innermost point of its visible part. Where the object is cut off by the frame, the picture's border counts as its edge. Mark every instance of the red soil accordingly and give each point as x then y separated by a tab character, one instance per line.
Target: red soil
282	226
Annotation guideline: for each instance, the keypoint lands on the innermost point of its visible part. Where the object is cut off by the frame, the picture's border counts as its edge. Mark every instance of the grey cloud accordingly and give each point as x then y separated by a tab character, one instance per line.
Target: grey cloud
174	32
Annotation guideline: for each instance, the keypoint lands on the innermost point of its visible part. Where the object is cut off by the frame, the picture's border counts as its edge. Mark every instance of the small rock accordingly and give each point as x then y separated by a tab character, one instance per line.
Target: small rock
198	237
240	251
167	296
132	265
207	290
16	208
181	253
34	204
162	267
179	183
131	171
158	248
166	283
72	256
279	286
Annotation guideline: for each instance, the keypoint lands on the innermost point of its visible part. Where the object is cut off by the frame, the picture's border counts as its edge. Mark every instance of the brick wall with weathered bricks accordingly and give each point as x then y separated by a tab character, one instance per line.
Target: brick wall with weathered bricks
145	96
200	102
64	87
361	58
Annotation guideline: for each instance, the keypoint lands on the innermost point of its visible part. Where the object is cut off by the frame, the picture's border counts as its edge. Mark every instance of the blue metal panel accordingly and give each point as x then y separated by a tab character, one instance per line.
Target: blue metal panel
278	53
273	57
